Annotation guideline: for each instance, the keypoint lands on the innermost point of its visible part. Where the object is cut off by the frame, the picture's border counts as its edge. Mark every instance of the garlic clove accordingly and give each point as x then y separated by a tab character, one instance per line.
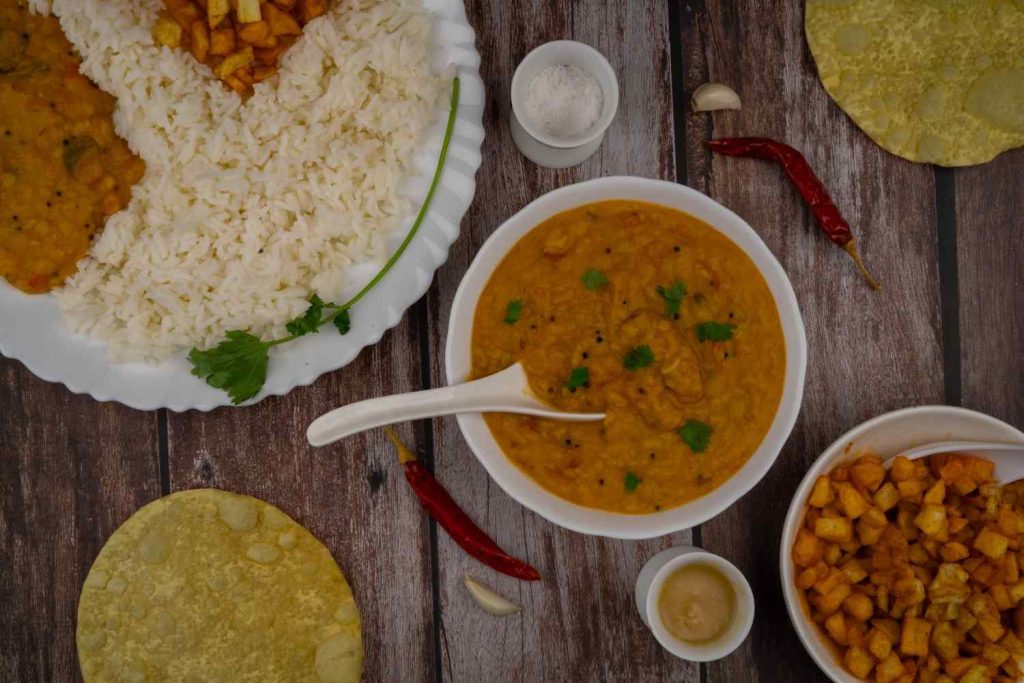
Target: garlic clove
714	96
489	601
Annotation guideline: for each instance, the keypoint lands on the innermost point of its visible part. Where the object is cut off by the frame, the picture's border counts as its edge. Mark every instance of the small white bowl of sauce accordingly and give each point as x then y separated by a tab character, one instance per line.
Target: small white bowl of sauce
699	606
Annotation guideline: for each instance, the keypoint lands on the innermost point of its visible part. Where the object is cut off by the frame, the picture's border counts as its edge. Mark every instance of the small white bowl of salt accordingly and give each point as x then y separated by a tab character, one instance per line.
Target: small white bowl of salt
564	96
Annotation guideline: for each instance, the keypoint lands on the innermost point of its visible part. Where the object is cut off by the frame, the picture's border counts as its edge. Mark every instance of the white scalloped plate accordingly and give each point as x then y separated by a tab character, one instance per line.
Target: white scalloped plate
32	330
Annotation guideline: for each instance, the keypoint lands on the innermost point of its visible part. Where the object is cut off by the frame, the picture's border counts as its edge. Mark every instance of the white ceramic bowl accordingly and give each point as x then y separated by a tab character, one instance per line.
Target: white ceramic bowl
648	587
528	492
886	436
535	144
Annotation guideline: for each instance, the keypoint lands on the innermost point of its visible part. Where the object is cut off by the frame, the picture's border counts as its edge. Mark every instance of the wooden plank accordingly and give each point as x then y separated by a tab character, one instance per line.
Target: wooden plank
869	352
580	622
351	495
71	470
991	269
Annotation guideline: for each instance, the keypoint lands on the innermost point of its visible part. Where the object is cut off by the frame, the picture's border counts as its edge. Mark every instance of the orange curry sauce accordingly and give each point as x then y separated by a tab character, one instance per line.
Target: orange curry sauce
63	170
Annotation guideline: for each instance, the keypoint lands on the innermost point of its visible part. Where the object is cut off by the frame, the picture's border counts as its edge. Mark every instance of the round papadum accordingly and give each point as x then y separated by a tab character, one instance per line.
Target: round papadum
939	81
206	585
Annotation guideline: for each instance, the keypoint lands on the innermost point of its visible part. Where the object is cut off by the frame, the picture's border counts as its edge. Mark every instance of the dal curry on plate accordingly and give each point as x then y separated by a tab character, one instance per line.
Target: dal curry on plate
652	316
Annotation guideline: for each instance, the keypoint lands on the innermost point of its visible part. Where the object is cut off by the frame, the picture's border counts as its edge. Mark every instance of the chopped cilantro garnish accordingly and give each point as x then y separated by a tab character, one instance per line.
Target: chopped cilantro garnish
673	297
716	332
579	377
238	365
513	309
593	279
696	434
639	357
308	321
632	481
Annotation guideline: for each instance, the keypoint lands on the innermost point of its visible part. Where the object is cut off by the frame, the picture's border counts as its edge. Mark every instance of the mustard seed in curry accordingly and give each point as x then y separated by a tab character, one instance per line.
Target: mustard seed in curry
657	319
63	170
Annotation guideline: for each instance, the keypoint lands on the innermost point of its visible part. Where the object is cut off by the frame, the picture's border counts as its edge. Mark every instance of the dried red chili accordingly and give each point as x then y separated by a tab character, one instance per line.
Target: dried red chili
452	519
806	183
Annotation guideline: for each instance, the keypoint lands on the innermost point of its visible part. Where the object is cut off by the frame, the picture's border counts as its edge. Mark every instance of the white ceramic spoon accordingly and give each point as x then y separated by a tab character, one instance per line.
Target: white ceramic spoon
507	391
1007	457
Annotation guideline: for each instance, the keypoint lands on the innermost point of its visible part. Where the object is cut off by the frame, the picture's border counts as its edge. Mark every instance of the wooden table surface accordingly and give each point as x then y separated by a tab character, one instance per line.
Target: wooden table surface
947	328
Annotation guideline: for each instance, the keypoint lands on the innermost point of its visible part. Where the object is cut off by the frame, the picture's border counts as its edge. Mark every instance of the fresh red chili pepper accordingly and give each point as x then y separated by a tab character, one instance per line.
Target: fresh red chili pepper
806	183
452	519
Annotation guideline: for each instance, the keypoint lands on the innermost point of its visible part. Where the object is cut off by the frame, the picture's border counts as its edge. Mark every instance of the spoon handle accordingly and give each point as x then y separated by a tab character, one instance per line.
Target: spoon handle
496	392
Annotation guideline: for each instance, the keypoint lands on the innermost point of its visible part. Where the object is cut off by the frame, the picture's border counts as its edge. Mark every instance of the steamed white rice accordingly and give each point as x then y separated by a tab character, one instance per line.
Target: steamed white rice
246	209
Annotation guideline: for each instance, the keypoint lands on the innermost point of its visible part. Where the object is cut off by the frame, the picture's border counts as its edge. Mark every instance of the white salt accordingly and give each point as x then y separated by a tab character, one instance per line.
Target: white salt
563	101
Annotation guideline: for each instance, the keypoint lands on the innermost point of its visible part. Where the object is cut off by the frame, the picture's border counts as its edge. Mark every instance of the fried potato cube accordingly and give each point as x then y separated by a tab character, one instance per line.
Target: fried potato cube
836	529
831	601
914	637
285	4
889	627
311	9
983	607
1008	522
821	493
1011	568
835	626
829	581
858	662
954	551
991	543
879	643
867	533
851	501
931	519
832	553
944	641
854	571
868	472
236	83
281	23
977	673
936	494
858	606
902	469
248	11
889	669
949	585
263	72
254	32
200	41
222	41
166	31
911	490
234	62
910	591
1016	592
978	469
216	10
186	15
1001	597
808	549
887	496
994	654
963	486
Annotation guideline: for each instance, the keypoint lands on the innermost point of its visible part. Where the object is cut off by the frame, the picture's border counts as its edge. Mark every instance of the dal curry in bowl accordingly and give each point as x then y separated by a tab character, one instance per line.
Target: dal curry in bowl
650	302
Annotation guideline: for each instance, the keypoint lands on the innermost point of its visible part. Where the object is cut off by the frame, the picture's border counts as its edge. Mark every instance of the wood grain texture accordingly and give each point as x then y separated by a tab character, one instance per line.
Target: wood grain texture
991	277
580	622
868	352
352	495
71	470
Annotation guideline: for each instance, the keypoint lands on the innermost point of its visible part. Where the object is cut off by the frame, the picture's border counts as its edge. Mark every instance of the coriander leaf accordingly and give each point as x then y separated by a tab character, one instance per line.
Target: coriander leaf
593	279
308	321
579	377
696	434
632	481
716	332
513	310
343	321
639	357
673	297
238	365
75	149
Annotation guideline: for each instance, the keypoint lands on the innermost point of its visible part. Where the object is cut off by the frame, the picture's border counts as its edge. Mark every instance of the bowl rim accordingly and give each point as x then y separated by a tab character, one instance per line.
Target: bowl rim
594	521
810	637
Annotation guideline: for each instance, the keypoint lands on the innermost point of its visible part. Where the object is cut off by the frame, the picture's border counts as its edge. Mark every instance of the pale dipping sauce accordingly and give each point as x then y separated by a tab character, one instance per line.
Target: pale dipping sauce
697	603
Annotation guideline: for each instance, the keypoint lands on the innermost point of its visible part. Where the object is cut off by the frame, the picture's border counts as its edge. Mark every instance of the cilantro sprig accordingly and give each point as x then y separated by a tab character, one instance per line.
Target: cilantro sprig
578	378
696	434
238	364
513	310
631	481
638	357
593	280
716	332
673	296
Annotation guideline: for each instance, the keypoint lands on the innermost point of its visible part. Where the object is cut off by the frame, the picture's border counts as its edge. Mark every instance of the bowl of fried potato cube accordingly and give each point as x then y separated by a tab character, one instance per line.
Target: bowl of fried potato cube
240	40
908	571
